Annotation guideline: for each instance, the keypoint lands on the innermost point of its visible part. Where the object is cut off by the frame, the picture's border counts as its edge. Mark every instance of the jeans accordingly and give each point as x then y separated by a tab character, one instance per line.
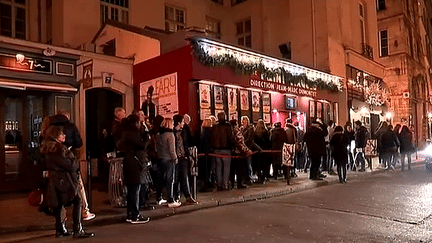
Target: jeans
408	155
223	168
170	165
132	198
314	169
181	183
248	170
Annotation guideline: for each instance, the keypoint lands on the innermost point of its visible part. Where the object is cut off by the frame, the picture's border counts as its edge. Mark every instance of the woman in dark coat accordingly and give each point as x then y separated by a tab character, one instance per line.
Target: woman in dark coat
262	139
63	182
338	146
406	146
135	170
278	137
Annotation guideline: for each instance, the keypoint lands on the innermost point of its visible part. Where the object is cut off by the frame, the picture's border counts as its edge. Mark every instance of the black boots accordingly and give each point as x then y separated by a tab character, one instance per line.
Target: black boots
79	232
61	230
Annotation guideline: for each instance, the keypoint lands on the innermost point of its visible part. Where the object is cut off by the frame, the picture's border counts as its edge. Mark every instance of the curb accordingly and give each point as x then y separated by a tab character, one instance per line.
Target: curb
165	212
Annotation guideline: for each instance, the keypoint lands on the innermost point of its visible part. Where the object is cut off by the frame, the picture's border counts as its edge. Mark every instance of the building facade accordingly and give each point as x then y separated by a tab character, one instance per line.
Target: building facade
405	50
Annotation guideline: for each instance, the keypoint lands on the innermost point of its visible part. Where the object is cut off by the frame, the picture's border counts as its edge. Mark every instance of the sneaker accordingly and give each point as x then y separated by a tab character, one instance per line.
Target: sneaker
88	216
174	204
161	202
139	220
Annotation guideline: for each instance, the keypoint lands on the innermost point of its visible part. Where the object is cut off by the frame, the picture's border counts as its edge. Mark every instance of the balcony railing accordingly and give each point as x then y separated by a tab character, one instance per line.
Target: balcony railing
367	51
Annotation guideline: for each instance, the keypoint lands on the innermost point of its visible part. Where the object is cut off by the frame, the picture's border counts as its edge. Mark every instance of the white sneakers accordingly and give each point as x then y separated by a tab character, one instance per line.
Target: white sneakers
88	216
161	202
174	204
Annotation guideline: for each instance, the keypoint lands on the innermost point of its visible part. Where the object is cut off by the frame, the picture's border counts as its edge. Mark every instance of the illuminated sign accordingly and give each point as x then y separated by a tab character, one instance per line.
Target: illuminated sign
27	64
278	87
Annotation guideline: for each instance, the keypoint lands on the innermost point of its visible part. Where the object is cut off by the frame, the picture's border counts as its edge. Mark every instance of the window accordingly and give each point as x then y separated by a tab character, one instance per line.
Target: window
362	23
383	43
381	5
175	19
117	10
213	27
244	37
235	2
13	15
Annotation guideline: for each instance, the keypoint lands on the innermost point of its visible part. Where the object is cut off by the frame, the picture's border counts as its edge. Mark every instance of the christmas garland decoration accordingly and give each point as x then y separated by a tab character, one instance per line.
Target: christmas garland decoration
268	73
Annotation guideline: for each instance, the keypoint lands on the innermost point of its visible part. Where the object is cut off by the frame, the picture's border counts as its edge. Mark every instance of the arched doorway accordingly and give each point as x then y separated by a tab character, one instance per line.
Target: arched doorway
100	104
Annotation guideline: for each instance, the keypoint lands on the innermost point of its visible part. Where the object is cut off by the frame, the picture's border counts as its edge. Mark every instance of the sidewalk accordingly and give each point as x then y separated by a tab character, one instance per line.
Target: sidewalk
18	217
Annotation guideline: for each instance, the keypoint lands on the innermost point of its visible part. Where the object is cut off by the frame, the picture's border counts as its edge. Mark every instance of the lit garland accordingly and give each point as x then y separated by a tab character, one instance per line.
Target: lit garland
375	95
242	67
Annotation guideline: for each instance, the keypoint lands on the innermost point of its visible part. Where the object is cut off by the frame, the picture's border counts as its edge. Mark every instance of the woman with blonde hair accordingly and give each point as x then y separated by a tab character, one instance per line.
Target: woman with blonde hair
166	152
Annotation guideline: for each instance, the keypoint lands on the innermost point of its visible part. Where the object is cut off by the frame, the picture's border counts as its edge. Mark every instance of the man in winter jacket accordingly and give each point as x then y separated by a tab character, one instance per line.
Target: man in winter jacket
222	141
315	142
361	135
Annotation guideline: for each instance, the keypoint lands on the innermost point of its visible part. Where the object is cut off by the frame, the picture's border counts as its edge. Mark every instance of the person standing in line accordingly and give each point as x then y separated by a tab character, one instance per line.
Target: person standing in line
222	141
166	151
135	170
63	182
406	146
389	144
205	148
361	135
349	136
238	165
329	157
157	169
248	133
291	132
181	181
278	137
315	142
299	157
74	142
262	139
382	127
397	156
338	147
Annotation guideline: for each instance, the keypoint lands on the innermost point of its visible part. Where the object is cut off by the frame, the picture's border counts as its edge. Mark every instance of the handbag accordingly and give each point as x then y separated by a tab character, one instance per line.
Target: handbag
35	197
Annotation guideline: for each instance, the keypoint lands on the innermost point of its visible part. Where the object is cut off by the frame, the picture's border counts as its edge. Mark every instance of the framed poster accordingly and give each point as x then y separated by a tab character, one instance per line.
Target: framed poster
204	113
233	115
266	102
312	108
319	109
244	100
232	99
218	97
255	101
204	96
266	118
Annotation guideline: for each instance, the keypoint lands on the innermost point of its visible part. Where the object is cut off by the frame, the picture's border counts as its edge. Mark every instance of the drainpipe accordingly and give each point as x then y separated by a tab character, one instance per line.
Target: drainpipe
314	56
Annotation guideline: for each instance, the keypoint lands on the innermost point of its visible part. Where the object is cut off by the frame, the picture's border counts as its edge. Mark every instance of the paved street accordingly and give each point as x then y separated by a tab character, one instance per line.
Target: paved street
382	207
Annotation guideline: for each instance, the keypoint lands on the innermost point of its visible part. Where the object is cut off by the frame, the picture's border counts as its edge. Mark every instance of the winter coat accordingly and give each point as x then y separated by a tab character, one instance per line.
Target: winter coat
349	136
277	138
338	145
241	147
249	137
73	137
222	136
135	170
262	138
63	178
165	144
406	142
388	142
315	140
205	140
360	137
291	132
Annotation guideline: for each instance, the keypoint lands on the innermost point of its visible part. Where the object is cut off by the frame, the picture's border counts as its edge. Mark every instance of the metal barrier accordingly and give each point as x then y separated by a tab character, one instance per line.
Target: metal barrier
116	189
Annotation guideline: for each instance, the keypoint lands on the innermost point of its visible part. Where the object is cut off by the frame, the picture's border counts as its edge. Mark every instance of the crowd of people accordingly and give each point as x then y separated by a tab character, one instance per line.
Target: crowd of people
156	157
